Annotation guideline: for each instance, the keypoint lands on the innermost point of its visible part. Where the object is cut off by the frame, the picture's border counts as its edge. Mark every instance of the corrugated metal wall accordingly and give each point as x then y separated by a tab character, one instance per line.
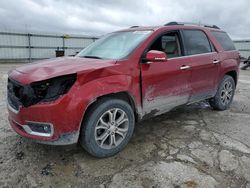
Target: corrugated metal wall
33	46
243	46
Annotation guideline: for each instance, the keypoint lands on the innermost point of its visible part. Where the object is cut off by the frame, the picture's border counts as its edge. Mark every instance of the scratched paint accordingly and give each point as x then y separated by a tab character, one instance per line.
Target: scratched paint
161	104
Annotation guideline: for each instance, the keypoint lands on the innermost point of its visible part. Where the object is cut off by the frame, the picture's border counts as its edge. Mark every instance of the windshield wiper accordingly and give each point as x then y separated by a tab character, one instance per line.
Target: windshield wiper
89	56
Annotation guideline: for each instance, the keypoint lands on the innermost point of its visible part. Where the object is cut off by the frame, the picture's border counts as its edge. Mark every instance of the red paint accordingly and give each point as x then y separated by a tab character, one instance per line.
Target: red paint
154	55
151	86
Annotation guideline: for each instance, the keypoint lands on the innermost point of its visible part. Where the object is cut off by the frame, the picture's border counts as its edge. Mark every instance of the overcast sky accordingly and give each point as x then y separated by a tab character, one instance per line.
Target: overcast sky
97	17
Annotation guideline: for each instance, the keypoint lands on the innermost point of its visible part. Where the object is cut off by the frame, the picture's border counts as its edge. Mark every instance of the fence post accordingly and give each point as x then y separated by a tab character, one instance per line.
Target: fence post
63	38
29	43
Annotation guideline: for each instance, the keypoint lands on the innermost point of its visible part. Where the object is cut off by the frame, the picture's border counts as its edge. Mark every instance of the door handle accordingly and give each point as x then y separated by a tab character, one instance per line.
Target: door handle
216	61
184	67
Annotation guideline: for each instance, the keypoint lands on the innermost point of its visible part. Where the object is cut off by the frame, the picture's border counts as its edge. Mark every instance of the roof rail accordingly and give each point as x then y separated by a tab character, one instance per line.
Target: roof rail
196	24
173	23
212	26
134	26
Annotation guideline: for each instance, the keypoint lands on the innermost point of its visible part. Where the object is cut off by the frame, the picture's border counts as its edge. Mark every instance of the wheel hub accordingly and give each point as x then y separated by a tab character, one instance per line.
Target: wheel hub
112	128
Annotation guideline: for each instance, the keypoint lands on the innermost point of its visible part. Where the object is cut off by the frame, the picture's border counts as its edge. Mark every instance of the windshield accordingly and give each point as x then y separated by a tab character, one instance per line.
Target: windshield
115	45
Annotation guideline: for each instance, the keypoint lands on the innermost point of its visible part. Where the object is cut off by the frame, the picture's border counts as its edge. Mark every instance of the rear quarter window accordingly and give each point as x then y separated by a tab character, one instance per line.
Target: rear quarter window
224	40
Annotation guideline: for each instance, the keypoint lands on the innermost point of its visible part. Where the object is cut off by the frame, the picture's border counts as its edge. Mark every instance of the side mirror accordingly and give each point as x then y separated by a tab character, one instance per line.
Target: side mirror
156	56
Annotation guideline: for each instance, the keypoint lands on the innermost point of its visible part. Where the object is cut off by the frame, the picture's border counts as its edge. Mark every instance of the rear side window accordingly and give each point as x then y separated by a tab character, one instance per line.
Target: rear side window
224	40
196	42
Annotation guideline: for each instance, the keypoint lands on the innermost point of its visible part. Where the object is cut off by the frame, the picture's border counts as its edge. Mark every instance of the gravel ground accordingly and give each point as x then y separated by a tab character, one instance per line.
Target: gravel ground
192	146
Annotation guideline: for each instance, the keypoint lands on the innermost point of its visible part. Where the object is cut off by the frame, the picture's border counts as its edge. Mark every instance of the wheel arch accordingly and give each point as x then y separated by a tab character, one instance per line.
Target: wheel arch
233	74
122	95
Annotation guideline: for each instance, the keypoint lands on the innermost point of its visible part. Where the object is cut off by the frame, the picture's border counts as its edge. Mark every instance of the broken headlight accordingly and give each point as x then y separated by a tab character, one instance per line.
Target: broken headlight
50	90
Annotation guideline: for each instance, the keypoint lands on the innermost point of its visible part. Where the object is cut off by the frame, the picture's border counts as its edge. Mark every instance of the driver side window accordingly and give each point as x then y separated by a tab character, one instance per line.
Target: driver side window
168	43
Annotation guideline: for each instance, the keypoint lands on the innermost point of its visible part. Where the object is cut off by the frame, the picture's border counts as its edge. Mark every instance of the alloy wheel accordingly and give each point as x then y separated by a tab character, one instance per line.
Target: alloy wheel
226	93
111	128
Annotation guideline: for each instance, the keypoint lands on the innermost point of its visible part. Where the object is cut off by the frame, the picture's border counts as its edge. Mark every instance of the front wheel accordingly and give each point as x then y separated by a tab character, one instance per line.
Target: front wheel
224	95
108	127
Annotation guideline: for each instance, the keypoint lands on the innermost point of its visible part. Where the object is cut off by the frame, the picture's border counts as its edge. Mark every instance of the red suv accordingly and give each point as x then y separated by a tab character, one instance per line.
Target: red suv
97	96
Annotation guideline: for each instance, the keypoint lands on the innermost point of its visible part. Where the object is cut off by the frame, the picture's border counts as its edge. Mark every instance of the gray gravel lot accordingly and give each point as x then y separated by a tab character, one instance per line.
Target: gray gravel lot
192	146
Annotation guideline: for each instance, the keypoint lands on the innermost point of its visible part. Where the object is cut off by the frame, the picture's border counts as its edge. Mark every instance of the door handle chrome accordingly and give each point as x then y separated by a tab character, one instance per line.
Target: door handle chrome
184	67
215	61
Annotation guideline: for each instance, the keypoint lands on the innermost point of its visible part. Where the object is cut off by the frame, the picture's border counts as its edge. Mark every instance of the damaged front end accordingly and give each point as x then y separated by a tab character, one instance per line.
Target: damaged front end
37	92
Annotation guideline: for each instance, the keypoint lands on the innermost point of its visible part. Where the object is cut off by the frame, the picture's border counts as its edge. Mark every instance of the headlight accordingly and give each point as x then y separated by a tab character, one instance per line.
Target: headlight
47	90
52	89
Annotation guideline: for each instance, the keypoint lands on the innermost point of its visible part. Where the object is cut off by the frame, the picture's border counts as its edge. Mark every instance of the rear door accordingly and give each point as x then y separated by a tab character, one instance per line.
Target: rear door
165	84
203	62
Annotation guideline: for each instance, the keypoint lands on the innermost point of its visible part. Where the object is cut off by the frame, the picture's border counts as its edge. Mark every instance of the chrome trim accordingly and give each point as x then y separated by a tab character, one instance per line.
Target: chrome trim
160	58
216	61
29	131
64	139
186	56
38	133
185	67
12	109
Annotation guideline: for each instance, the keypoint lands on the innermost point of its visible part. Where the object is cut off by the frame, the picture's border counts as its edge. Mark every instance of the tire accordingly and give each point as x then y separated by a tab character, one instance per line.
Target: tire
99	125
224	95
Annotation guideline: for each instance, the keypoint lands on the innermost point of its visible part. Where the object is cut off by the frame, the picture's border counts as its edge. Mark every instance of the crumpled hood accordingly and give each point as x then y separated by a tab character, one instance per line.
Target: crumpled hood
50	68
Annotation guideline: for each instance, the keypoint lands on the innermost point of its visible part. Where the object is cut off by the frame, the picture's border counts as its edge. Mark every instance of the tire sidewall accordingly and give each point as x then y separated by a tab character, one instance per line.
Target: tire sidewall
88	131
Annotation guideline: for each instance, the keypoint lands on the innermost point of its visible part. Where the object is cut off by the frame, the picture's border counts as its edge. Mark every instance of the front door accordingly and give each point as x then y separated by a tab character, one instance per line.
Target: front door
165	84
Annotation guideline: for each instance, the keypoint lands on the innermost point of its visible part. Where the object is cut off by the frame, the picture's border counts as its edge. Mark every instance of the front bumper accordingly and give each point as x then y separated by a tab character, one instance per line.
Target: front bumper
64	139
63	117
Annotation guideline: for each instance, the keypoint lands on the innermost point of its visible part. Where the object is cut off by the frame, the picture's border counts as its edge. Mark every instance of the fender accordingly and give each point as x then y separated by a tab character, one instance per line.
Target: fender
228	66
97	88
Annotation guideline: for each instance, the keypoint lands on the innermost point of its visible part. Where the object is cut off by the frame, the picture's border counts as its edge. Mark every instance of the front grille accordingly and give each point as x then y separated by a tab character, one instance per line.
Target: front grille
14	94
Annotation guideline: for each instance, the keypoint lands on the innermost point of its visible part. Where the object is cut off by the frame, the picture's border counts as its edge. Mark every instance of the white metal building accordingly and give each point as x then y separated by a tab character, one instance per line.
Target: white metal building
243	46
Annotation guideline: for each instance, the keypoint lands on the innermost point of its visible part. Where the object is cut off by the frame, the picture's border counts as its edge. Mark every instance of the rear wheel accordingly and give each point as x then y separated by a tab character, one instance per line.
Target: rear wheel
108	127
225	93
